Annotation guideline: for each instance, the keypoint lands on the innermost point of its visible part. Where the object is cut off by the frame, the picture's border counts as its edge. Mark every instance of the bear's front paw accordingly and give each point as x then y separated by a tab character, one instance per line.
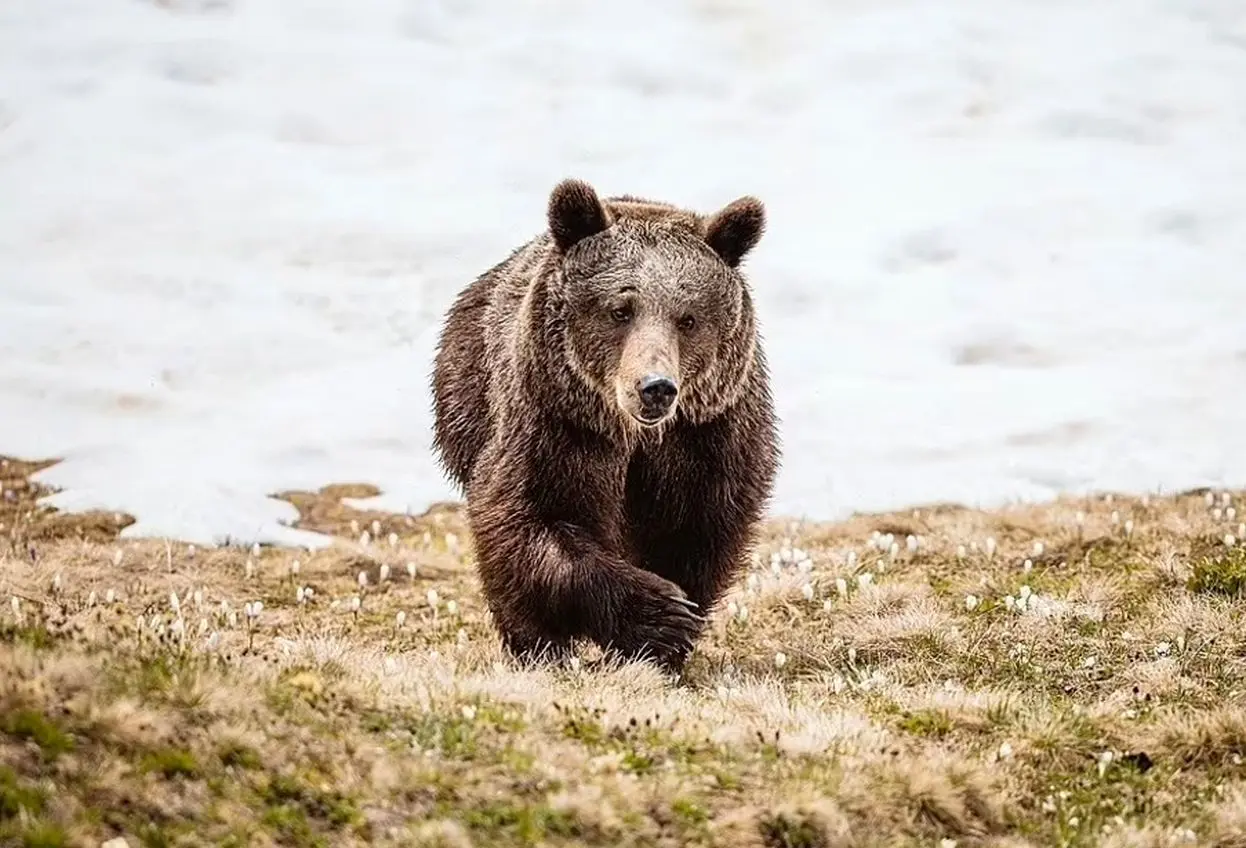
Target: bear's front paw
658	623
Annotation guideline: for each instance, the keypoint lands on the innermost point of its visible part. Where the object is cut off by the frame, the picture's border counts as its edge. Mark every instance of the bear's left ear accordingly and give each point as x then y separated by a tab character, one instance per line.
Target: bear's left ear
735	229
575	213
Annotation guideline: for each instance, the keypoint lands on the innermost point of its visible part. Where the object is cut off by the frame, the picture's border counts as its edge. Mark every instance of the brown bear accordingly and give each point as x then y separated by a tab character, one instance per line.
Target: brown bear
603	399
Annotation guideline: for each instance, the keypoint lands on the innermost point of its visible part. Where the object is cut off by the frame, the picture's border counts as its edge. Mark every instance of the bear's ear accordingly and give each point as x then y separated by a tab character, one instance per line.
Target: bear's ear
735	229
575	213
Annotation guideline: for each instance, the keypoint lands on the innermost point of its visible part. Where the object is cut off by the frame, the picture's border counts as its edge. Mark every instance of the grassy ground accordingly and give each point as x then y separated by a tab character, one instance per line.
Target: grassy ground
1064	674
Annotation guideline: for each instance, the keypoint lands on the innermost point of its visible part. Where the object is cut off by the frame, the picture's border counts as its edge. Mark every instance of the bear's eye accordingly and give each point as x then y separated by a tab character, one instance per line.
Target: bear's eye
687	322
621	314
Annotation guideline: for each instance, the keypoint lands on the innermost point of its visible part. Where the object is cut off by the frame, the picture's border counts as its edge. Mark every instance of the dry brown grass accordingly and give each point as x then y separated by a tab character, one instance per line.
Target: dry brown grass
1107	707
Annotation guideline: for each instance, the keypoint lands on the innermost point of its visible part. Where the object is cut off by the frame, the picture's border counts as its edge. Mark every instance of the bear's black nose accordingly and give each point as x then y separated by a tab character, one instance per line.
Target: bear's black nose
657	393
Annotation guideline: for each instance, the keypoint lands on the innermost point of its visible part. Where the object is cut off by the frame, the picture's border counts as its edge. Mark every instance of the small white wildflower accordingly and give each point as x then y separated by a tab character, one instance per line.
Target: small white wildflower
178	628
308	593
91	599
1104	760
354	527
723	692
1116	517
893	551
852	656
947	843
295	568
1230	514
1080	518
852	559
990	546
401	618
469	712
355	603
1089	662
56	582
1038	549
1010	602
232	619
190	552
960	552
174	603
1180	641
776	567
910	542
807	591
16	604
384	571
432	598
1027	566
427	538
827	605
841	586
1210	499
1217	514
864	579
363	580
198	598
743	612
214	641
116	558
249	568
1241	530
780	659
971	602
1163	648
376	528
733	609
1145	499
574	662
804	566
452	543
1129	527
452	607
753	582
110	597
1225	499
393	540
1230	540
299	596
1005	751
365	538
411	570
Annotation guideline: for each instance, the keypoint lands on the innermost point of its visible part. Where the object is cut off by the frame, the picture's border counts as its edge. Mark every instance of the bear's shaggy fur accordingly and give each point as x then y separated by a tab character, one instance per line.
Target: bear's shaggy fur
603	399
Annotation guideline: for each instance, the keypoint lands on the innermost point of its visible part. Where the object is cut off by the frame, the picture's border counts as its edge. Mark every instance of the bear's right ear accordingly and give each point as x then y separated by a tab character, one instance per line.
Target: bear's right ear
575	213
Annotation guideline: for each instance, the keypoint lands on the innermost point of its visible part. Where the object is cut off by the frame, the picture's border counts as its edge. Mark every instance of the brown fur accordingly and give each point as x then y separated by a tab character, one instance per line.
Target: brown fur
586	523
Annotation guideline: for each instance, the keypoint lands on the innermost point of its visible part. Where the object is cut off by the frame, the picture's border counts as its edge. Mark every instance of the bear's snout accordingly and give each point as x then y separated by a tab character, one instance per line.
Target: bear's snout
657	395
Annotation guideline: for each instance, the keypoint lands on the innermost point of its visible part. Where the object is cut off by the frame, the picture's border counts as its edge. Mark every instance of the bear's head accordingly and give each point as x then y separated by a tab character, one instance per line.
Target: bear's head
656	314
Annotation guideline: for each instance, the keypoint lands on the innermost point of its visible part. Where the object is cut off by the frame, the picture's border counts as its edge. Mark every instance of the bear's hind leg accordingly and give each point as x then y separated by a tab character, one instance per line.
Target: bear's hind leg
529	647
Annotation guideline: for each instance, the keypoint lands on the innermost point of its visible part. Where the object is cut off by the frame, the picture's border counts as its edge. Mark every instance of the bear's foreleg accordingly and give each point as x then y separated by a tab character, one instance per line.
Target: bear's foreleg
548	582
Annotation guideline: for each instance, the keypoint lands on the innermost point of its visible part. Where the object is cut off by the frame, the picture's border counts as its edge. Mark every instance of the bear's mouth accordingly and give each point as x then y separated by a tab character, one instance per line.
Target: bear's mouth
649	423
